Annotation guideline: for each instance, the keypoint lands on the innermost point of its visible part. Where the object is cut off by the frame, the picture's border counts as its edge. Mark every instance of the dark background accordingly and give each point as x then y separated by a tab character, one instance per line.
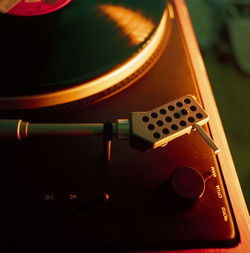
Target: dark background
222	28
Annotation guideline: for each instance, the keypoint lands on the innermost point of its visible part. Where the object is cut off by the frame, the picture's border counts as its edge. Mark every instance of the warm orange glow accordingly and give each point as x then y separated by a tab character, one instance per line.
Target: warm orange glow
215	126
106	197
91	87
171	11
26	129
133	24
18	130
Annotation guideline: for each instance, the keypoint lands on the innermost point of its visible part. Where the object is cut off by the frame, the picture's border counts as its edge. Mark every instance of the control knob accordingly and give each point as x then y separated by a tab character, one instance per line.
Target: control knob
187	185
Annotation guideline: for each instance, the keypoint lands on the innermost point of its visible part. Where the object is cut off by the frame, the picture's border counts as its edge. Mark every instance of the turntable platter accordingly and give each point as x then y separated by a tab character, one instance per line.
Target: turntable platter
80	50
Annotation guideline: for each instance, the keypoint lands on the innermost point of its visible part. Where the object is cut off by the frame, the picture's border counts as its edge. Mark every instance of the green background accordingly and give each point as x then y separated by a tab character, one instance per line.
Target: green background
226	54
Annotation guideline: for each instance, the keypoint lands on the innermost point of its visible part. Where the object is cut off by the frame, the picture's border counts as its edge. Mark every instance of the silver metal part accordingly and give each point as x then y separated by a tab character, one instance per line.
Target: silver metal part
151	129
205	136
164	123
123	129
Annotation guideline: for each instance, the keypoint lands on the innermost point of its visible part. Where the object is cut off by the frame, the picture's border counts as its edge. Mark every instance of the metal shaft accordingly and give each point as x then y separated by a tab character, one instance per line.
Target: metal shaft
205	136
18	129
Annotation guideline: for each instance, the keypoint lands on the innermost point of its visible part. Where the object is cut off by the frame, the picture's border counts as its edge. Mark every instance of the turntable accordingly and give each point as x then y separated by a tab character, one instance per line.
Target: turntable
111	139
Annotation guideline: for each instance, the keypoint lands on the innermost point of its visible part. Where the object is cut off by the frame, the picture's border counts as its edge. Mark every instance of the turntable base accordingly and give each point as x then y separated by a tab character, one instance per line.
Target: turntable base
59	193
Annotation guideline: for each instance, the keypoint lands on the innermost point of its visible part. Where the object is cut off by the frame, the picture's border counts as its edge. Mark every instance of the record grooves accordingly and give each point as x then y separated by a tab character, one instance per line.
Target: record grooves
128	173
56	64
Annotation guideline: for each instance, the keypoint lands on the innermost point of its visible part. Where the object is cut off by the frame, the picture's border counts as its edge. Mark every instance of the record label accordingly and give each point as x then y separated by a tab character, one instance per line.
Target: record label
31	7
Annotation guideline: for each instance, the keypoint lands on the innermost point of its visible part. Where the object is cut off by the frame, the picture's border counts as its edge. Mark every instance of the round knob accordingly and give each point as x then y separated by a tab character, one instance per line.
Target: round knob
187	184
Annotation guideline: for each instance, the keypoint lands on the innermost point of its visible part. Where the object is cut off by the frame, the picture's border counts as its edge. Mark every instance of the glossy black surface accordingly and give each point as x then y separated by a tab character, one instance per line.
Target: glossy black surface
53	188
70	46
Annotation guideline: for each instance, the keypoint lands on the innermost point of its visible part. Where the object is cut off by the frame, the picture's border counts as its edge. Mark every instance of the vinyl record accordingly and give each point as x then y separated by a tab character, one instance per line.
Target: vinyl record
66	49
